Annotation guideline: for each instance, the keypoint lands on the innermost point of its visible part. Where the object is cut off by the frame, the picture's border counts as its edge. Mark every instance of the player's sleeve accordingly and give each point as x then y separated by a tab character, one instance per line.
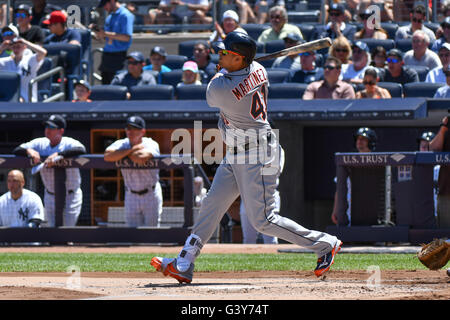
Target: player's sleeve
74	148
216	92
116	145
37	208
21	150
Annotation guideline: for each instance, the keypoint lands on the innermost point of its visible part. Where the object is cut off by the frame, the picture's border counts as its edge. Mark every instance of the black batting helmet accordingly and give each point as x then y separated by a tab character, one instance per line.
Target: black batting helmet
427	136
241	43
369	134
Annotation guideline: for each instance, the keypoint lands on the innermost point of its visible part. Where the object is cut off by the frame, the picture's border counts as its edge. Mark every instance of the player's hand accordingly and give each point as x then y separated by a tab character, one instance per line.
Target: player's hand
34	155
5	45
445	121
50	161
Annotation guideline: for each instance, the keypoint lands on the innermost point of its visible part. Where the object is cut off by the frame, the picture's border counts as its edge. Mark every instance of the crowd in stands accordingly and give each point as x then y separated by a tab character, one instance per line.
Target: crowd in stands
400	46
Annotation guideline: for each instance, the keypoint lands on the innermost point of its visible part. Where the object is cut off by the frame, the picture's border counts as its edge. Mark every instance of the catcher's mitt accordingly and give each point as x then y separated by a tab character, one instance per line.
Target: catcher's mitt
435	255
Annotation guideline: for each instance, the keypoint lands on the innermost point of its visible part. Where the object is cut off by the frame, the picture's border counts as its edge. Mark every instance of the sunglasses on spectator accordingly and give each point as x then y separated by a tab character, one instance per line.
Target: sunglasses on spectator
224	52
369	83
275	17
133	62
328	67
392	60
21	15
305	54
341	50
417	20
7	33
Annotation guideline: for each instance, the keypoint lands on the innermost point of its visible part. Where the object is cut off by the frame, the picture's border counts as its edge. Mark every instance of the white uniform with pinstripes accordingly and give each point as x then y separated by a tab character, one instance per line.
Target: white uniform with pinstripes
146	209
74	195
17	213
241	97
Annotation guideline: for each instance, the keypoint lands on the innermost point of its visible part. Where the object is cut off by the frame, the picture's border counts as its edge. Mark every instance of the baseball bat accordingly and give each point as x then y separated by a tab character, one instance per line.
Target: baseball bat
304	47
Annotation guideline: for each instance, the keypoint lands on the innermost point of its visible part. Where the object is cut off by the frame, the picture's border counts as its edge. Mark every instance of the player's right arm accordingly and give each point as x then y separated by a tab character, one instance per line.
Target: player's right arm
28	152
115	152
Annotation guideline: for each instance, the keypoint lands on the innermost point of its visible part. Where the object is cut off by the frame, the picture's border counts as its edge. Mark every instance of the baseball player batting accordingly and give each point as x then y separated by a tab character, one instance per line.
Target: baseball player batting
239	90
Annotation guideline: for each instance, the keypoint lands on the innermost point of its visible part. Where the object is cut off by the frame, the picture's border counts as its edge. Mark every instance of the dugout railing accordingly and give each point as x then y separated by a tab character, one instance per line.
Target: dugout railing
392	197
99	234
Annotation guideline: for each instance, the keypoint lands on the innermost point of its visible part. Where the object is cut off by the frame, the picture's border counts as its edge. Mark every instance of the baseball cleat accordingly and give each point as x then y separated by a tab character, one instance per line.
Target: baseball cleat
324	262
169	268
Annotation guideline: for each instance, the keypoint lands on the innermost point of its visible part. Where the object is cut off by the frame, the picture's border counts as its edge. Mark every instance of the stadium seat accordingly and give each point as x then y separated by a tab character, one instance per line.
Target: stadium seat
152	92
288	90
307	30
254	30
278	75
108	92
172	77
394	88
264	63
274	46
303	16
186	48
390	27
421	89
260	47
194	92
432	25
86	53
387	44
403	45
9	86
175	61
422	71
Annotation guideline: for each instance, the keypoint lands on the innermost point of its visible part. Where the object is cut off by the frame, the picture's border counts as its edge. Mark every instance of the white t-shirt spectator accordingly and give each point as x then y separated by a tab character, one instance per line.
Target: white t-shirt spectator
430	59
348	72
27	68
436	76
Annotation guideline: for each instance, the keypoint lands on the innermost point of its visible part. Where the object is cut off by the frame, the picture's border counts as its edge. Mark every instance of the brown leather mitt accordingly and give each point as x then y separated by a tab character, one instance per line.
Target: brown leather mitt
435	255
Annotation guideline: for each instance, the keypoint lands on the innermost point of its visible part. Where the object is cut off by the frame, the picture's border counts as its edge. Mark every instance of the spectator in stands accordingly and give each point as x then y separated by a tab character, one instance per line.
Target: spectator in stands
32	33
3	15
136	76
371	90
242	7
420	55
369	30
82	91
139	18
280	27
158	57
26	65
20	207
349	9
444	91
9	33
331	87
341	49
441	143
379	56
444	35
261	9
437	74
190	75
417	17
202	56
396	70
117	34
55	146
336	27
309	72
176	12
41	9
230	22
60	33
292	61
354	72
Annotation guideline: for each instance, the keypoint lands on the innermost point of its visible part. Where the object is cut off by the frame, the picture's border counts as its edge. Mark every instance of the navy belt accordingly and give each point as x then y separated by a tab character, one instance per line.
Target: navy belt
52	193
141	192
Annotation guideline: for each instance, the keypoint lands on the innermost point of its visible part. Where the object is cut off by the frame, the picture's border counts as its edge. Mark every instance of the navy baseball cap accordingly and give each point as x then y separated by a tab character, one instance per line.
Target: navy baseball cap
136	55
361	45
136	121
56	121
84	84
159	50
25	8
293	36
337	7
395	52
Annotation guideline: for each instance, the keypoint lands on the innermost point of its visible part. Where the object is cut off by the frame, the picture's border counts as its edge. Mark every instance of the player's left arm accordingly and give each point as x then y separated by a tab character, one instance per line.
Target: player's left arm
37	212
140	156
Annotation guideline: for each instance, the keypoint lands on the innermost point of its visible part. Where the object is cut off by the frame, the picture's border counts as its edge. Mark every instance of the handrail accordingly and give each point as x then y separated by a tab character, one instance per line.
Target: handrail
94	75
45	75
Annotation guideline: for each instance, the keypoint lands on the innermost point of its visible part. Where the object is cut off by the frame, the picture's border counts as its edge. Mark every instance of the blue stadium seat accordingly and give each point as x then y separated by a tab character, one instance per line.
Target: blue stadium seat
287	90
394	88
432	25
194	92
265	63
307	30
86	53
152	92
387	44
254	30
274	46
390	27
186	48
422	71
278	75
175	61
403	45
172	77
303	16
260	47
9	86
45	86
108	92
421	89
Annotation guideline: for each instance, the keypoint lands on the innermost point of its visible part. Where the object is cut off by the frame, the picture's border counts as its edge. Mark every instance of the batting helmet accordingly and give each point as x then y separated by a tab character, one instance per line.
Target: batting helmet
427	136
241	43
369	134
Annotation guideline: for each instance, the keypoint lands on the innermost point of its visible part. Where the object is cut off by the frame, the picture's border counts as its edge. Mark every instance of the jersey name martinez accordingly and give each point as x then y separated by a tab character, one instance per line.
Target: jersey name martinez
253	80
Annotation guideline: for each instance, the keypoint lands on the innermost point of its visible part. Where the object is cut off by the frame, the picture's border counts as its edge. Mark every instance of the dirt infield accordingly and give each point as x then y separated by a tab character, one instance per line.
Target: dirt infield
283	285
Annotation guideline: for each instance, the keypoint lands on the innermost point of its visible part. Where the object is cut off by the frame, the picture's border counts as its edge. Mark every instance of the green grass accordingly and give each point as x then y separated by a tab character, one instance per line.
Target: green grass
96	262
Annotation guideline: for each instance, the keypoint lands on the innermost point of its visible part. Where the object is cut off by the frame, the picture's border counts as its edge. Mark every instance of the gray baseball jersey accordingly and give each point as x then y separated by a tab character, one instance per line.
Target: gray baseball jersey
17	213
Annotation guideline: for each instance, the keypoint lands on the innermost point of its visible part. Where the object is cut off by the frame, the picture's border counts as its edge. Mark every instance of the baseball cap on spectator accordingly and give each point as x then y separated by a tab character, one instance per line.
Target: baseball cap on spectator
11	28
190	65
446	22
446	45
83	83
136	121
395	52
361	45
230	14
56	17
56	121
136	55
159	50
293	37
24	7
337	7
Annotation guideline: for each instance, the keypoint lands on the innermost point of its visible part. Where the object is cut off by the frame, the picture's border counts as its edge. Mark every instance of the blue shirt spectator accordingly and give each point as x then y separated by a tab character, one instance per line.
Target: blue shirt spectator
444	92
158	57
121	22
